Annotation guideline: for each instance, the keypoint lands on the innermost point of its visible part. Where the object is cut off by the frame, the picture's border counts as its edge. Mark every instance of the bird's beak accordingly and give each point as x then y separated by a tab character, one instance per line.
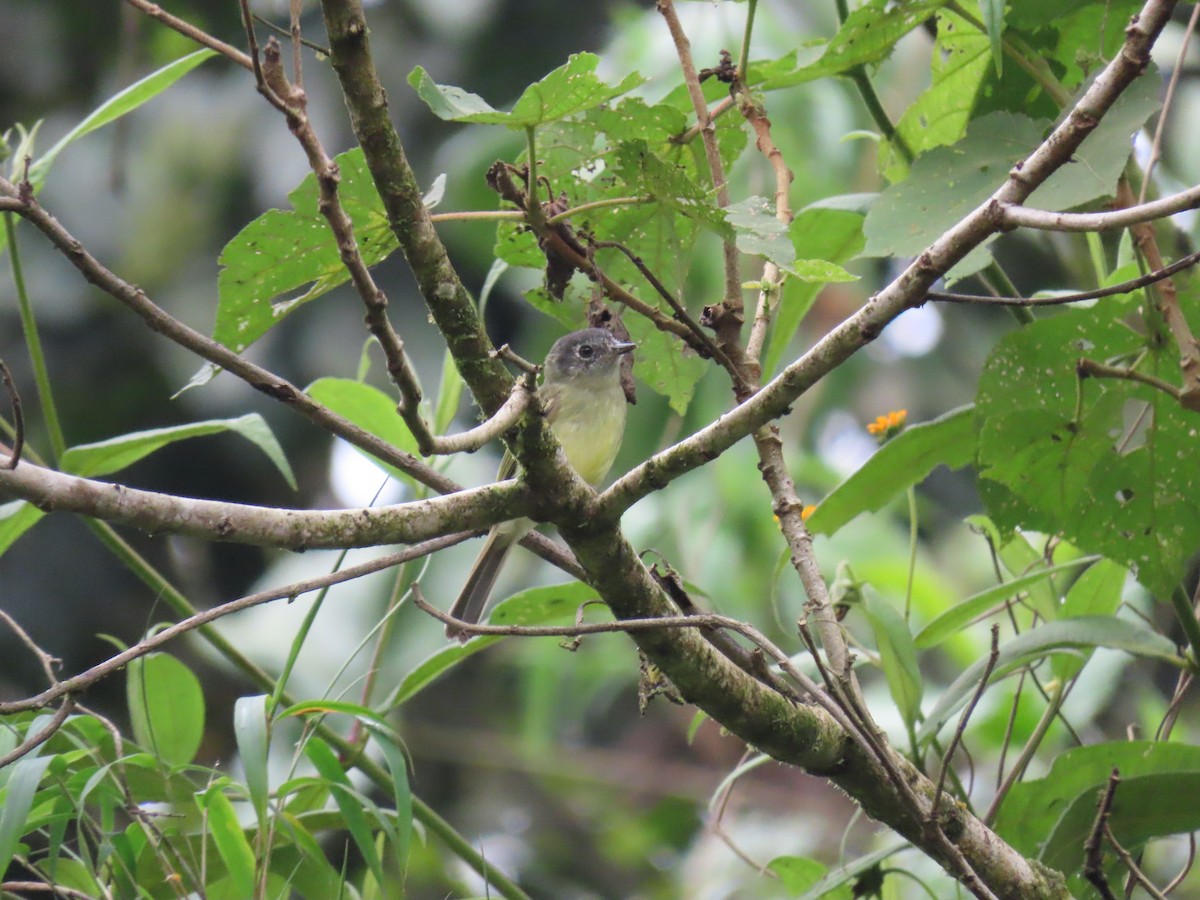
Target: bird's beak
624	346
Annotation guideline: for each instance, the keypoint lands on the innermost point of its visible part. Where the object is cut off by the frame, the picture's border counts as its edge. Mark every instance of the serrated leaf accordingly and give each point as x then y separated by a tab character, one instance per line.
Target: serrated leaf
166	707
670	184
283	251
905	460
758	231
1100	159
570	89
947	183
664	365
536	606
119	104
1084	632
115	454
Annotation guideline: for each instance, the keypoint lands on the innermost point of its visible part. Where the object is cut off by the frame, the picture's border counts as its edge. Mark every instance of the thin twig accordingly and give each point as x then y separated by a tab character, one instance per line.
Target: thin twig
1187	866
51	728
1124	287
993	656
12	199
728	317
680	312
18	430
284	32
1044	220
1089	368
42	887
1135	870
188	30
87	678
49	663
505	418
1168	100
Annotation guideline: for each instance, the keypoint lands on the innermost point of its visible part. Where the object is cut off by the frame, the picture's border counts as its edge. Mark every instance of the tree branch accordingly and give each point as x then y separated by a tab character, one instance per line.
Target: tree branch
1017	216
292	529
911	287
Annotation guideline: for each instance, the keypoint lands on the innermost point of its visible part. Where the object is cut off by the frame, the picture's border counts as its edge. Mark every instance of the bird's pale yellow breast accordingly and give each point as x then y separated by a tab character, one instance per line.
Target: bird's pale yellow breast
589	421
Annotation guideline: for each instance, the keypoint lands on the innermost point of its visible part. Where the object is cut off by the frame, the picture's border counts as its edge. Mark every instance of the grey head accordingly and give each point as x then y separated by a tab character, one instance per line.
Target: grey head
591	353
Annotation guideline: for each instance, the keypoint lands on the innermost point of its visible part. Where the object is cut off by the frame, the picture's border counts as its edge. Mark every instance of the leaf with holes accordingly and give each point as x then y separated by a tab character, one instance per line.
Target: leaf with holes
1118	477
293	253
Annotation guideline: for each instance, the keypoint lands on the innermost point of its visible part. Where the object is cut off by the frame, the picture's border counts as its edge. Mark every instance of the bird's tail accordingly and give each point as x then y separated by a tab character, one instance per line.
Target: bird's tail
471	602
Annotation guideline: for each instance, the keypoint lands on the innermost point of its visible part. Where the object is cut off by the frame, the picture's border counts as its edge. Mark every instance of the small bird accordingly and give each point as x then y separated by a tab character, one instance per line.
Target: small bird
585	407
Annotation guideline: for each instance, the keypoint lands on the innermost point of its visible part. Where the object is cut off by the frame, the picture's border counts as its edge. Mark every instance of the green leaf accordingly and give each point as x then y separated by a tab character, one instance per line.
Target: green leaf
798	873
115	454
836	883
950	622
1033	808
993	20
222	825
309	870
820	232
663	366
368	408
1097	592
397	765
671	185
947	183
1118	477
348	802
166	707
281	252
250	730
536	606
1144	807
905	460
897	655
16	518
868	36
118	105
449	393
1100	159
19	790
958	66
1086	632
570	89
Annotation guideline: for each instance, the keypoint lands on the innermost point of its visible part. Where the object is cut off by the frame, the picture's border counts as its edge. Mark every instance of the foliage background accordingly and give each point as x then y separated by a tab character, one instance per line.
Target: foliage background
537	755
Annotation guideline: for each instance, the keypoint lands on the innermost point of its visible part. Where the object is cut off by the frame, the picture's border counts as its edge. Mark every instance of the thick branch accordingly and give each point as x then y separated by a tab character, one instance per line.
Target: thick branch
294	529
453	310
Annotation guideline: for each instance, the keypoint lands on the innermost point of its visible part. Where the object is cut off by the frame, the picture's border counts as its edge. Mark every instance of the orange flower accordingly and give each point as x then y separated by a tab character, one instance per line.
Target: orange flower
806	512
888	425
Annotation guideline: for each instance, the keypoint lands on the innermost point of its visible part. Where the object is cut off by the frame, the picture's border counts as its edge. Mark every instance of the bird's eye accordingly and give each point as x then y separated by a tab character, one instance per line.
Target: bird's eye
586	351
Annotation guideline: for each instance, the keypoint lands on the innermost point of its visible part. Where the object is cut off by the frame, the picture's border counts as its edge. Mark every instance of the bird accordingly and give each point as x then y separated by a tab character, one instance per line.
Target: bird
584	403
